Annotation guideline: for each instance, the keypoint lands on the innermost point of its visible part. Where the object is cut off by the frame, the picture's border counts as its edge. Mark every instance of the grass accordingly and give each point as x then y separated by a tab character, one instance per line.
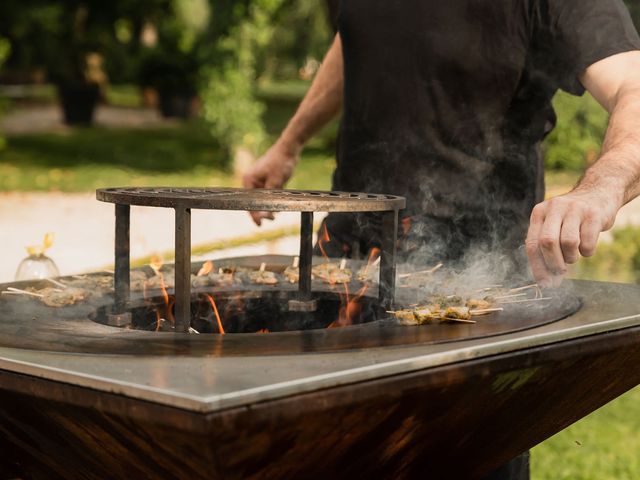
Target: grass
85	159
606	444
184	154
603	446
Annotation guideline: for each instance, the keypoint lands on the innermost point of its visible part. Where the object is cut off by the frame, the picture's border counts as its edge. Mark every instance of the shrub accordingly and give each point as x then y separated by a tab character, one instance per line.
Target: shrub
617	260
576	140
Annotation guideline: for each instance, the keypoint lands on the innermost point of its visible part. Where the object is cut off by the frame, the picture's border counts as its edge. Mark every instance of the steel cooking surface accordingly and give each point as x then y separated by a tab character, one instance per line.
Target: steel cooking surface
210	382
26	323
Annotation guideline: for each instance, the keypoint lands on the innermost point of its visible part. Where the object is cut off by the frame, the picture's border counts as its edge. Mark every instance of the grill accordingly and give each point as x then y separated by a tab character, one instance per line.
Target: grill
370	399
306	202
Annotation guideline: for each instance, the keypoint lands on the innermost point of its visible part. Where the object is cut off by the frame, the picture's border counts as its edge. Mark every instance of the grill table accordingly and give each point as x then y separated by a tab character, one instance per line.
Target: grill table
455	409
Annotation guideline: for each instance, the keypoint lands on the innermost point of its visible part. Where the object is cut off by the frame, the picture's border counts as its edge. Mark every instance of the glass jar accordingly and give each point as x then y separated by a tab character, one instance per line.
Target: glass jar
37	266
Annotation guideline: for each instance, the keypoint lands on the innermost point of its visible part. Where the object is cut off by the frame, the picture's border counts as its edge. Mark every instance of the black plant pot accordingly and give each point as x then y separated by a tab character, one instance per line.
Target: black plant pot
78	103
175	103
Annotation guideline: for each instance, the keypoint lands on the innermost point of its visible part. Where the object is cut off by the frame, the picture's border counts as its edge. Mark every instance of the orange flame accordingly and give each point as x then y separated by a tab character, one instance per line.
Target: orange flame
406	225
158	318
206	268
352	307
350	311
263	330
215	311
323	240
374	253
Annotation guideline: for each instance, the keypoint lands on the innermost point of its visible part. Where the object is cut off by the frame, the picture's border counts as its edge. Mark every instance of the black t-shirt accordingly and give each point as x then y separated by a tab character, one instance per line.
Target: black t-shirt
446	102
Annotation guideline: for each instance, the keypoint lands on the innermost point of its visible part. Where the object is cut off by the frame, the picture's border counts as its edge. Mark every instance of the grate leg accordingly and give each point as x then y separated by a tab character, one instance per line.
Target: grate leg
120	317
304	302
306	253
388	259
183	269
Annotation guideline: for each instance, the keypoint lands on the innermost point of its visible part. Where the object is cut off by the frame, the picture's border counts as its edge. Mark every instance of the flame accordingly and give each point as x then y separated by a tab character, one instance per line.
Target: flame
350	311
156	263
206	268
158	318
215	311
263	330
406	225
352	307
374	253
323	240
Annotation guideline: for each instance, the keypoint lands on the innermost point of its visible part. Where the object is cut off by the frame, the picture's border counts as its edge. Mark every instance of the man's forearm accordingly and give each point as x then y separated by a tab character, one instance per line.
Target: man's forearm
618	169
321	104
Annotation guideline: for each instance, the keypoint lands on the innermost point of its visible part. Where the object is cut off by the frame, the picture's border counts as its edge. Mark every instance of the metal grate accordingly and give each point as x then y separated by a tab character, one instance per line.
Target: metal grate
257	199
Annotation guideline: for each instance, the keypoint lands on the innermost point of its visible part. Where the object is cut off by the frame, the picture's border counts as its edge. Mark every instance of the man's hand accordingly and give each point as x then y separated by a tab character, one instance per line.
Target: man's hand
322	103
272	170
568	226
564	228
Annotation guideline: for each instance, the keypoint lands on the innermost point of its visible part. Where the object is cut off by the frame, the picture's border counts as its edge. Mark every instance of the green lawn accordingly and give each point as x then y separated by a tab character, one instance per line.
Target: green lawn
603	446
85	159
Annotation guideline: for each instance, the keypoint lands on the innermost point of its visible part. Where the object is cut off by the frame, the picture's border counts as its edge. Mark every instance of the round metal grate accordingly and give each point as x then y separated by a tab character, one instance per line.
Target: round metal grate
258	199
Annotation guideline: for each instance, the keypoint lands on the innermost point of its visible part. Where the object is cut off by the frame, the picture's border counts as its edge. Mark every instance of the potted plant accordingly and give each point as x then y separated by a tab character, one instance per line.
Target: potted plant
173	73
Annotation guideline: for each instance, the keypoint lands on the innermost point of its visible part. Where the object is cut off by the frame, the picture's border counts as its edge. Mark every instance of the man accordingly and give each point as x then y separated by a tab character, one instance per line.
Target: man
447	102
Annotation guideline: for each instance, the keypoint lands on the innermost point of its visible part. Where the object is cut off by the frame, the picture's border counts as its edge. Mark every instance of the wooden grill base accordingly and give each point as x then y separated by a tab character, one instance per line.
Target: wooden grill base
455	421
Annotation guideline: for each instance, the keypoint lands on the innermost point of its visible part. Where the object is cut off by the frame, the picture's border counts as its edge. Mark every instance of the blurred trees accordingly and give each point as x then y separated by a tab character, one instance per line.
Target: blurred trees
269	39
5	49
221	49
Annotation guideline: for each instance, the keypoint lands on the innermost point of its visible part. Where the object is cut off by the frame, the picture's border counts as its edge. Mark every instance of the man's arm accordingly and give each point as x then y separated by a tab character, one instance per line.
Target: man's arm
568	226
322	103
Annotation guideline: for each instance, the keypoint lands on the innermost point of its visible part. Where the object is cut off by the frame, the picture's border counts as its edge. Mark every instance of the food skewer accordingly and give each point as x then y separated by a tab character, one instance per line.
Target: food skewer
524	300
24	292
488	288
515	295
57	283
485	311
422	272
5	292
433	317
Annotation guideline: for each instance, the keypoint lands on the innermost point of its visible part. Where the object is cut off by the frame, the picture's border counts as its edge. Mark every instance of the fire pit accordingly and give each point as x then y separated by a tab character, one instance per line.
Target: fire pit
339	390
306	202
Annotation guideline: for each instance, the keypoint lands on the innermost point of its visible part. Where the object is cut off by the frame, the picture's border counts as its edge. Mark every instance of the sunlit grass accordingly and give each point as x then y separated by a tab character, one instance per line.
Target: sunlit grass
603	446
86	159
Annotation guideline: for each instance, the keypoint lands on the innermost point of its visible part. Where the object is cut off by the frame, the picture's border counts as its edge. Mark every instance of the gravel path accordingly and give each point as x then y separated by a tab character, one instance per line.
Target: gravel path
48	118
84	230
